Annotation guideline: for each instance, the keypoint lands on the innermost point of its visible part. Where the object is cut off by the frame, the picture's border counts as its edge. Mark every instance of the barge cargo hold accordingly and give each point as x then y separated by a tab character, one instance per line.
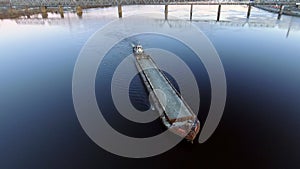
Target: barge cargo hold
175	114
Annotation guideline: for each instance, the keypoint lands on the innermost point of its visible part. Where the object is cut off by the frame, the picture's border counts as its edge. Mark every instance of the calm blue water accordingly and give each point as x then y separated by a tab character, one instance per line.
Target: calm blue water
261	122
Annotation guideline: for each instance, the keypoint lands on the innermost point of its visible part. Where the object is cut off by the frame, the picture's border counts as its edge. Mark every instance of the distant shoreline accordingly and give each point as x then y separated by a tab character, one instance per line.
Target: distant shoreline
11	13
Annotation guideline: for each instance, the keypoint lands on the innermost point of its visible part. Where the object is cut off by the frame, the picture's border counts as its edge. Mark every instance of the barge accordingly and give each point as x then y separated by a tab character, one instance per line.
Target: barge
175	114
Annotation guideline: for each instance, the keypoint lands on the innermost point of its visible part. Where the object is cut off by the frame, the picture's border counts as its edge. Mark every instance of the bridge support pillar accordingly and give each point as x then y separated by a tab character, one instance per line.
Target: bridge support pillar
79	11
120	11
61	11
280	11
44	12
43	9
27	12
166	12
249	11
219	13
191	12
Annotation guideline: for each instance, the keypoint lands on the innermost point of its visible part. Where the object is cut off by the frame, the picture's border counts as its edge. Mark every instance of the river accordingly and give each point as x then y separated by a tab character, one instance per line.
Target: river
261	121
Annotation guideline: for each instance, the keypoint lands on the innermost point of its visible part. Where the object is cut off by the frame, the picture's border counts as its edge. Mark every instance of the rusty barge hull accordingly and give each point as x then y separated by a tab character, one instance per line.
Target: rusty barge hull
176	115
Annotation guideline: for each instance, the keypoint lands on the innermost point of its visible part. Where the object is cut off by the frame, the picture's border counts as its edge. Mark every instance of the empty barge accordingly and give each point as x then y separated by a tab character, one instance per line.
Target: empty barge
175	114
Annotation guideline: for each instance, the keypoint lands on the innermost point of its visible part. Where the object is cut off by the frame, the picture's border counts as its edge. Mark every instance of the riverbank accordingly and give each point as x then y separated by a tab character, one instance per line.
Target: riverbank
14	13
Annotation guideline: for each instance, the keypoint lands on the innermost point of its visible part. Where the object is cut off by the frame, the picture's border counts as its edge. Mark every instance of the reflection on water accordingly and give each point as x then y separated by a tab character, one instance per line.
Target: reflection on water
260	126
232	16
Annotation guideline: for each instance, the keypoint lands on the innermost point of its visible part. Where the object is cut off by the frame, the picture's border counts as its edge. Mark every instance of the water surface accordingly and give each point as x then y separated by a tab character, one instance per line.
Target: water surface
260	126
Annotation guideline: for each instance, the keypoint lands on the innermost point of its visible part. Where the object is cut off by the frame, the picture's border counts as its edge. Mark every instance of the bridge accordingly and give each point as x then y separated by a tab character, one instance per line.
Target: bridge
74	3
44	5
